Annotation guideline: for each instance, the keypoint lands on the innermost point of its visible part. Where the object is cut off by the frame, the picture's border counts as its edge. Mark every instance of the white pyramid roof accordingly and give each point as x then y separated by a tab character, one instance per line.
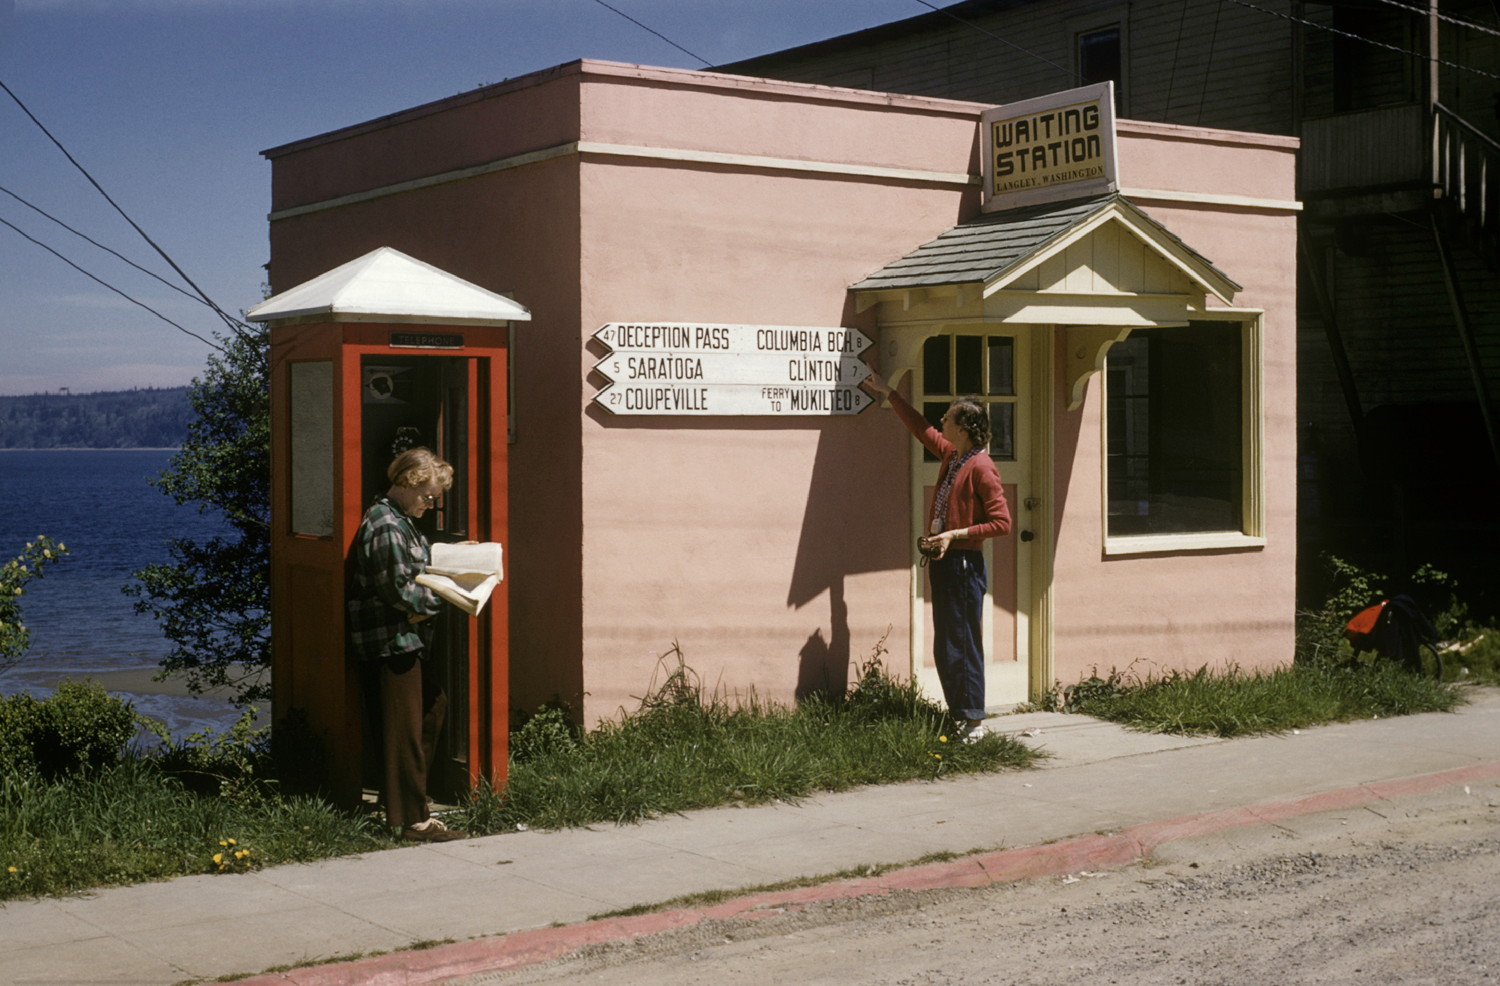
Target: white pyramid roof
388	284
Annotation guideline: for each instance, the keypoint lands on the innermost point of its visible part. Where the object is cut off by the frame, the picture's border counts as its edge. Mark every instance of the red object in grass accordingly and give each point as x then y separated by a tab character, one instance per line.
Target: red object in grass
1363	623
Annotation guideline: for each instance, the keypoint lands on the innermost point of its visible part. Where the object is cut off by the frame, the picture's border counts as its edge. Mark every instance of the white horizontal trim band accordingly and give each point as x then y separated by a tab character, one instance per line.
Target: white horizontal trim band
1210	198
632	151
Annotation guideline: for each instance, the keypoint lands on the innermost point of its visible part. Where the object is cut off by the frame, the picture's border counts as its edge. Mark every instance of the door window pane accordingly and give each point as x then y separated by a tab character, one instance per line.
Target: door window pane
312	448
1175	426
1002	360
1003	432
933	411
935	366
968	364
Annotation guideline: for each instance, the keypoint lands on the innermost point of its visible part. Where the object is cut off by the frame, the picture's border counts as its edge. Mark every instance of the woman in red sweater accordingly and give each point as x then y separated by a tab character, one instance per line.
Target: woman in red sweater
968	507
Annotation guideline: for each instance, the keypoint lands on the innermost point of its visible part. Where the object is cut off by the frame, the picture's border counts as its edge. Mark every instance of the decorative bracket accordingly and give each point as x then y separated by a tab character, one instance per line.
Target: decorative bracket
1087	346
900	352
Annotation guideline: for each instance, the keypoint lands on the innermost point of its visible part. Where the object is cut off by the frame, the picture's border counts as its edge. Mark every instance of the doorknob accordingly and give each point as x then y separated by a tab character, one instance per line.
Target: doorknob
1027	536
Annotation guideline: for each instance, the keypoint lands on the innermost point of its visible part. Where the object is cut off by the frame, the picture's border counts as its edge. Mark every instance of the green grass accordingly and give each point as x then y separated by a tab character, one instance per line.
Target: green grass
1238	703
132	822
173	812
683	750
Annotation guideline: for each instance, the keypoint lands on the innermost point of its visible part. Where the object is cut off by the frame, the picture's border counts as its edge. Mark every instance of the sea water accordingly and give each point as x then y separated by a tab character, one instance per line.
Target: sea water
101	504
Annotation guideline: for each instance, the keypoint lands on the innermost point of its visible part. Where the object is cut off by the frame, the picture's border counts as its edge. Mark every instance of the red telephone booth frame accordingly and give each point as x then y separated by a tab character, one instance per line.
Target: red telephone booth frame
311	677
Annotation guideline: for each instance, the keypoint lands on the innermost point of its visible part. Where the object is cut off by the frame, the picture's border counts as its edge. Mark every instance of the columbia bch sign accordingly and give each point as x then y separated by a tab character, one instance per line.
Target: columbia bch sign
706	369
1050	148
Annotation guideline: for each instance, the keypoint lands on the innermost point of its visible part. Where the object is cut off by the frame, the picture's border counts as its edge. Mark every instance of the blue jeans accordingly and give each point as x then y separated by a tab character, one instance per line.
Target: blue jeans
958	584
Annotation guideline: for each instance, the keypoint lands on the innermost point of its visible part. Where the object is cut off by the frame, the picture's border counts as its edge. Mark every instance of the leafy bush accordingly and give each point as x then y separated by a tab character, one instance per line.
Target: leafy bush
81	727
30	564
1474	649
548	732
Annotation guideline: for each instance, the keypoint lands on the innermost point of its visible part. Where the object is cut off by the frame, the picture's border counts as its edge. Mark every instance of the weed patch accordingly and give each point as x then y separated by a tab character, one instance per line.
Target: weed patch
683	749
1234	702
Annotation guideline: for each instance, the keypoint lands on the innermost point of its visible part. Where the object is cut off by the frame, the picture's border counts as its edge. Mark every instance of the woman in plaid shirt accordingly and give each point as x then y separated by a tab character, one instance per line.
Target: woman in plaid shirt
387	614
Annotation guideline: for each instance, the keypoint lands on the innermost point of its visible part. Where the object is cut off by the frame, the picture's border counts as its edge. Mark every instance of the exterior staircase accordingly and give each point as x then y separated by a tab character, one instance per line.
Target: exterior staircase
1466	183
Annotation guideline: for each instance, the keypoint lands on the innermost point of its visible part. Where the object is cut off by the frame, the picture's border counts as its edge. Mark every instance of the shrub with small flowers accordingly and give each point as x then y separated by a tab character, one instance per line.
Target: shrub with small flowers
231	858
14	574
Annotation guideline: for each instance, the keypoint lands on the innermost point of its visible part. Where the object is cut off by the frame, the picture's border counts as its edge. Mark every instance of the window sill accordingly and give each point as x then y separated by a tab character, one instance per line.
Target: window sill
1174	543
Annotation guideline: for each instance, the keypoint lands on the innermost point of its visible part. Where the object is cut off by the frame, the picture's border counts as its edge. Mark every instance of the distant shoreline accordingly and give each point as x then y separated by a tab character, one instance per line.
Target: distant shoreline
138	681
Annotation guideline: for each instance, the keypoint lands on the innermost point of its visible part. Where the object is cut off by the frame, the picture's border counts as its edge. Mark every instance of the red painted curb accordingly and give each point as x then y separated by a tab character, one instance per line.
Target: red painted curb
1090	852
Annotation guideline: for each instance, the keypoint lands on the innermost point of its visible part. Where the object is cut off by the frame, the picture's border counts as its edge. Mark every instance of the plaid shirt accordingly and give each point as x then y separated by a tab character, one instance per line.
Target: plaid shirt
389	553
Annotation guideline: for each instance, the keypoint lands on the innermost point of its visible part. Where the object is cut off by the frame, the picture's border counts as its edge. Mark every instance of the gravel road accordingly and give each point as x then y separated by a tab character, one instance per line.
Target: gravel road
1405	893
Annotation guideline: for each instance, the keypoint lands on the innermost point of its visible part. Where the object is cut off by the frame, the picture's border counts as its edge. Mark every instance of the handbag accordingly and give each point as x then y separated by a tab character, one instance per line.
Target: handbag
928	548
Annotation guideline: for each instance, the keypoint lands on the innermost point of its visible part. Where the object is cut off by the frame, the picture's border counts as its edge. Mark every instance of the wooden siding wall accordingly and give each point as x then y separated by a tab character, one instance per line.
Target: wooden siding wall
1472	96
1212	65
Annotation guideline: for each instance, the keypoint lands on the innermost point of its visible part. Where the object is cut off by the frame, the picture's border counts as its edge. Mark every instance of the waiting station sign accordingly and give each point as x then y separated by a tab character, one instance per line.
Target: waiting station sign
665	368
1050	149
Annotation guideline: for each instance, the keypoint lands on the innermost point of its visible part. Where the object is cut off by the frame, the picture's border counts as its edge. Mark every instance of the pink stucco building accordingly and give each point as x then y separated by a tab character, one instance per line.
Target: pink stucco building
1154	500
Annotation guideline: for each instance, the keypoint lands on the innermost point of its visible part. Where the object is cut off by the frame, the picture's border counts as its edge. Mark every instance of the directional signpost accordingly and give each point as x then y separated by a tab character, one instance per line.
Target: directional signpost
699	369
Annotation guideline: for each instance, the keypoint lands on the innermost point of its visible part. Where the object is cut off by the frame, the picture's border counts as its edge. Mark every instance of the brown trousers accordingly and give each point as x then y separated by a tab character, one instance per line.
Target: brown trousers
411	719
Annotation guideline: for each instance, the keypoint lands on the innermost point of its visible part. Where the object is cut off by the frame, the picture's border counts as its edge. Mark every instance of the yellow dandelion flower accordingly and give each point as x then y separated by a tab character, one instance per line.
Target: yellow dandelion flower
942	739
231	842
223	843
219	859
12	869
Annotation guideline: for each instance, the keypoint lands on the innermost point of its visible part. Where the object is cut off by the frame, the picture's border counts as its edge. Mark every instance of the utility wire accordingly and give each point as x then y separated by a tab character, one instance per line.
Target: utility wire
1379	44
643	27
1208	69
233	323
1442	16
110	286
1010	44
149	273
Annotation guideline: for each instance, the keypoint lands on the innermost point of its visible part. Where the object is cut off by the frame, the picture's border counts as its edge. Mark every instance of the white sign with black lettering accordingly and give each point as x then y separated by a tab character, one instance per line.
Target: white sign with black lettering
702	369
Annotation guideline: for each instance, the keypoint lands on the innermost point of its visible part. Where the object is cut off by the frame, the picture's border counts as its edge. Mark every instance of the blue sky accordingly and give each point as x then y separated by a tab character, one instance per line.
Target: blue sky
168	104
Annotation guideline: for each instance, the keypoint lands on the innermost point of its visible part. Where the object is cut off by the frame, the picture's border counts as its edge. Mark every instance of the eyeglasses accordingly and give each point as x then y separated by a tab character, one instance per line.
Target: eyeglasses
429	498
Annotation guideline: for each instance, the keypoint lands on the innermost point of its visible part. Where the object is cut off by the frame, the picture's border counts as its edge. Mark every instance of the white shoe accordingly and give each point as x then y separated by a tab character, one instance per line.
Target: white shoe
976	734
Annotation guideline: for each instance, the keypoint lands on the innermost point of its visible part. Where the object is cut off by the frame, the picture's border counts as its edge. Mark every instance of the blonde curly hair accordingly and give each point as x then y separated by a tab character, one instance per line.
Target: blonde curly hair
418	467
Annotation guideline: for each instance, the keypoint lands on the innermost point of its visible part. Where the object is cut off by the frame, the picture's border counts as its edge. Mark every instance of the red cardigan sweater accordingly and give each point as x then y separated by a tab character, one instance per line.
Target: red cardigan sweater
977	501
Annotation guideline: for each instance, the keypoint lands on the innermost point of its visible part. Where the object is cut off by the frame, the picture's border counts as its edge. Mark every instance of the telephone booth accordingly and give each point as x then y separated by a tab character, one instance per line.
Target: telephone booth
382	354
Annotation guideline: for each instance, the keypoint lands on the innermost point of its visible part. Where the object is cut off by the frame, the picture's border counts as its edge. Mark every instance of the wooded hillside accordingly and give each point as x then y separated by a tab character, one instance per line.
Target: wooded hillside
150	418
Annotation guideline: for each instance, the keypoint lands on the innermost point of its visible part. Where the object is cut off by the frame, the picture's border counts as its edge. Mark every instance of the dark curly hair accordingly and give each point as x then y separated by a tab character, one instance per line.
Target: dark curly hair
971	416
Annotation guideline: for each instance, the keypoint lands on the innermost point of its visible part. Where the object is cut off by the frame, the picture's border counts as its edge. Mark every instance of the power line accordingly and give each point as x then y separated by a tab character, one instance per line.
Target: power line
1442	16
149	273
1370	41
1025	51
111	287
233	323
643	27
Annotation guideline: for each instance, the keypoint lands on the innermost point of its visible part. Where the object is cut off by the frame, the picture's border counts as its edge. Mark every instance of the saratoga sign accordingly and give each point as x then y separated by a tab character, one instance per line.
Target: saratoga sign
1050	149
709	369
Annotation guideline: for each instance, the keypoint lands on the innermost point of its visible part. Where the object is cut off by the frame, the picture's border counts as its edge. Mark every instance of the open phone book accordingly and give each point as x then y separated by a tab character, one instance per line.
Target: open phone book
464	574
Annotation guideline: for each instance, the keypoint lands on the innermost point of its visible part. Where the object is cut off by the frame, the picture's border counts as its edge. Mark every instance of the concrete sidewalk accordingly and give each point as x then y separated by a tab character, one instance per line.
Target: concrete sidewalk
1106	797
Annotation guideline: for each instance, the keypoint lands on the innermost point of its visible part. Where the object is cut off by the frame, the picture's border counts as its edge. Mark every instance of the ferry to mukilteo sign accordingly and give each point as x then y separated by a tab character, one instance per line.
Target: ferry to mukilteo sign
711	369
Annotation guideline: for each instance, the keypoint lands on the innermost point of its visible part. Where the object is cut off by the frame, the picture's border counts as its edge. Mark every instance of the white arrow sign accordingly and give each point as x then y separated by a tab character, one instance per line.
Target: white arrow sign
731	399
667	367
711	369
712	338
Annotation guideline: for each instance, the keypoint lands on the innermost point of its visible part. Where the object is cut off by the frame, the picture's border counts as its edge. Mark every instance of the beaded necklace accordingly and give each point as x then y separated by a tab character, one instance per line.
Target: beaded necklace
940	501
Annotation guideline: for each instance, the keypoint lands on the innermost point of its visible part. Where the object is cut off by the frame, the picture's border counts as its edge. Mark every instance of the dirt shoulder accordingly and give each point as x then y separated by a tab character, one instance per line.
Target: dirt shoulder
1399	895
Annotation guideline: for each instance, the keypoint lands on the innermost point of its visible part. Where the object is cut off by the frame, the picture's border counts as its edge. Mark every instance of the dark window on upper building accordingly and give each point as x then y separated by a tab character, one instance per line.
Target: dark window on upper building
1100	58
